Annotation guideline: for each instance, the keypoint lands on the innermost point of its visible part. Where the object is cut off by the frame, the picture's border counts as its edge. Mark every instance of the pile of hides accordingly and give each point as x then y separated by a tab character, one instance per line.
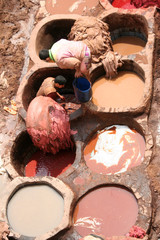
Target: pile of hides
145	3
137	232
48	125
95	33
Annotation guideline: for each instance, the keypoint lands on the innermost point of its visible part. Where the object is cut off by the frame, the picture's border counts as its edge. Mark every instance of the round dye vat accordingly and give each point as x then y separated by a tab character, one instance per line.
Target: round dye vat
110	211
35	210
126	45
47	164
69	6
119	91
115	149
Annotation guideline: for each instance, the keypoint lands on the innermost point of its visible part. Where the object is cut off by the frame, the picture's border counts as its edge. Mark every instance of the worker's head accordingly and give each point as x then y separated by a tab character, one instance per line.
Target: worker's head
44	54
60	81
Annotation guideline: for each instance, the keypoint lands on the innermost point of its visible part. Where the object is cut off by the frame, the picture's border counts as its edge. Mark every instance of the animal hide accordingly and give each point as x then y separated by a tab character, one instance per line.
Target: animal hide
48	125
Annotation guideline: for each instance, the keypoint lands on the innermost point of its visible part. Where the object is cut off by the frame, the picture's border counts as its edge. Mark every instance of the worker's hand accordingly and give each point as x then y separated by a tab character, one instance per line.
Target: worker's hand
78	74
62	97
111	62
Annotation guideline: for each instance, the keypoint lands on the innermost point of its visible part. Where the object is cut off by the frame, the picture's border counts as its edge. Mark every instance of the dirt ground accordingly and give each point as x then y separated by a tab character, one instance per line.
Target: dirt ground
17	19
15	28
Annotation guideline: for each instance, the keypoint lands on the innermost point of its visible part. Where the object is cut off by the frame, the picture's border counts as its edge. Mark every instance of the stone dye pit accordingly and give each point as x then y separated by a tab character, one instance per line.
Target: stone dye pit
118	92
114	149
107	197
35	210
30	161
110	211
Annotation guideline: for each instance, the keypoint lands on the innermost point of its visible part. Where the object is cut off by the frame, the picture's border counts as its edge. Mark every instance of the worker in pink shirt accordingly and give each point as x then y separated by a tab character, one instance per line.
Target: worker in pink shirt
69	55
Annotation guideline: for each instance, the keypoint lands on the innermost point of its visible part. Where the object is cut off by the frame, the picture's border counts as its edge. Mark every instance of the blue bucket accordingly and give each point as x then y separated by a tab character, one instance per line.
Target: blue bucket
82	89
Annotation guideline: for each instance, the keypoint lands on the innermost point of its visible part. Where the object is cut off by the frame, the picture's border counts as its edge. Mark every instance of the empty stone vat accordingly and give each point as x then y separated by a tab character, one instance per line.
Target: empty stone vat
30	161
107	211
47	32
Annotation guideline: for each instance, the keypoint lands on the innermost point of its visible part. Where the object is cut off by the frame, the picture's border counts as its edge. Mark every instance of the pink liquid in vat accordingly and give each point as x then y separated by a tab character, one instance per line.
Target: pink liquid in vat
109	211
115	149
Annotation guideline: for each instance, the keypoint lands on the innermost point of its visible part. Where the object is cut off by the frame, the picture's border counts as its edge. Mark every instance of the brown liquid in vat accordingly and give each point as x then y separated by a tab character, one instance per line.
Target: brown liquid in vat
115	149
128	45
125	90
35	210
109	211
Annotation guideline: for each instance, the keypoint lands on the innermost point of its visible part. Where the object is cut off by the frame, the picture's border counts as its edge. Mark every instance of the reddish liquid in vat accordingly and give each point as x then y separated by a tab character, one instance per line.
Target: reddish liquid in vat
119	91
115	159
123	4
110	211
69	6
41	164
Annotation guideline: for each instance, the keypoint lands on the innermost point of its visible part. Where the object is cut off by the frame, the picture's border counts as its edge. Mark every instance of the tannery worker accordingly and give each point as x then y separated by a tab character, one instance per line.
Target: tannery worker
50	86
69	55
95	34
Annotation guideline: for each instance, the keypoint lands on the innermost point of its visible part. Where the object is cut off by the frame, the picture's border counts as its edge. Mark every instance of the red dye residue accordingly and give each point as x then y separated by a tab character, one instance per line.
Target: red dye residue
47	164
125	4
107	211
145	3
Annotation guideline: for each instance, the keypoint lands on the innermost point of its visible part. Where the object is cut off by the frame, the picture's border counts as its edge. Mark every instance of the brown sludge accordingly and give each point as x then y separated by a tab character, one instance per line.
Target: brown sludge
118	92
128	45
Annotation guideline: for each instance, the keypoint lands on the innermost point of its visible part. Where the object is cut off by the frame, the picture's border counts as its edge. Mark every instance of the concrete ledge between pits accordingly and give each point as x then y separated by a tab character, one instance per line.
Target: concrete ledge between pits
48	31
73	235
54	183
143	70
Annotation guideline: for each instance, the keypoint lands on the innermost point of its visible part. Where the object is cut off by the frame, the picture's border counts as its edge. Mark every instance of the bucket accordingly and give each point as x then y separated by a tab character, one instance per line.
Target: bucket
82	89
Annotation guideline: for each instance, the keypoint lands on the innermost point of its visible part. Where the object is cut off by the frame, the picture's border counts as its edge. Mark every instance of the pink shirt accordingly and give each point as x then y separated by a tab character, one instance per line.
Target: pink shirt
68	49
